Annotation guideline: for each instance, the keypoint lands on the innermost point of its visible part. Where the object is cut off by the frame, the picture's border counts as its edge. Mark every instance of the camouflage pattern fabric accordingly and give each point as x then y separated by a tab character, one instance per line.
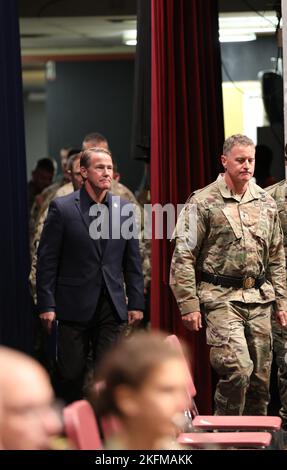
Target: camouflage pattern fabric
119	189
61	191
145	251
241	353
40	206
279	193
226	234
235	237
280	349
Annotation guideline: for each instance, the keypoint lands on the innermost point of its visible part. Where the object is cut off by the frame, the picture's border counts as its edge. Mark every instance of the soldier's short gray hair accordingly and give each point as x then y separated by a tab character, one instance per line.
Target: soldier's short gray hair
236	139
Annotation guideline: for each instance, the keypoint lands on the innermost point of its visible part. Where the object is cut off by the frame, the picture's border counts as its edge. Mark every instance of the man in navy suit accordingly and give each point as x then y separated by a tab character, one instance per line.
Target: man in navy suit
81	277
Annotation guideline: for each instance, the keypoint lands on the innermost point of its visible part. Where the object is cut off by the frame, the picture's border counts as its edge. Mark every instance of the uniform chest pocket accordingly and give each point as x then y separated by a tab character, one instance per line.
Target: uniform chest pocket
263	230
224	230
224	236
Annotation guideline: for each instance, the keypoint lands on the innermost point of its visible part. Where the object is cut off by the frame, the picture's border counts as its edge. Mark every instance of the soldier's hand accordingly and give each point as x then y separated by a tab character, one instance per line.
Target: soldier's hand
192	321
47	319
281	318
134	316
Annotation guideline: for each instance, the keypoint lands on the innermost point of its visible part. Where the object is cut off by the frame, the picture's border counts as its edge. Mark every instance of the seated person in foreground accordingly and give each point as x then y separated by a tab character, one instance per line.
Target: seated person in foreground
145	389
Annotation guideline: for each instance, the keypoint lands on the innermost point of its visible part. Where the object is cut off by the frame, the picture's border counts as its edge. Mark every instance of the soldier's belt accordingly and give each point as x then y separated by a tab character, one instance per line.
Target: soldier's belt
229	281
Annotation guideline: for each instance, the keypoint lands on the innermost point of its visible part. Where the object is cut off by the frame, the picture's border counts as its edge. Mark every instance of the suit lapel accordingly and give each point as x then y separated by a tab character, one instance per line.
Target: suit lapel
84	210
114	221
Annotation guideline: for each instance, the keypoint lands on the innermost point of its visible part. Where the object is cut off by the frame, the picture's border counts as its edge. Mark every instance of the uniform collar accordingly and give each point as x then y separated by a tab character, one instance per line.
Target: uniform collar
252	192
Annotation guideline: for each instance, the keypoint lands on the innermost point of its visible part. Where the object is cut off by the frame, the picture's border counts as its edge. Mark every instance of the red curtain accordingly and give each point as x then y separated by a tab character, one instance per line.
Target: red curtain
186	140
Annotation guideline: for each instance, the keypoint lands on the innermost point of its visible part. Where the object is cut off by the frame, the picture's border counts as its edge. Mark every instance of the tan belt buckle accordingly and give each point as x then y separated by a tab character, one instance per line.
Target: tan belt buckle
249	282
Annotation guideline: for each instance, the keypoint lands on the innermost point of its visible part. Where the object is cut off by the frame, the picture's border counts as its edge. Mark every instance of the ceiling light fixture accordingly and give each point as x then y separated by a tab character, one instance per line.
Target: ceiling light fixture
245	26
237	38
130	37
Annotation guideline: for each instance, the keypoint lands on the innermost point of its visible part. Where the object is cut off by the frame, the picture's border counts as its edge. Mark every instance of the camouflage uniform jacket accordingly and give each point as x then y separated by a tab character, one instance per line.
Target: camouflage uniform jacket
119	189
279	192
236	236
62	191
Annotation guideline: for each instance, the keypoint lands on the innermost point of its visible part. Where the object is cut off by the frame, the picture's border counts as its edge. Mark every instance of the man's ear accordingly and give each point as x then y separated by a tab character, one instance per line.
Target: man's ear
223	161
84	172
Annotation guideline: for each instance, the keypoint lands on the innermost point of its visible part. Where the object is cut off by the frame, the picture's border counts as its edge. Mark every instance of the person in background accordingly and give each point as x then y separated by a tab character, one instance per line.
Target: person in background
43	346
73	169
42	177
145	388
29	417
279	192
43	199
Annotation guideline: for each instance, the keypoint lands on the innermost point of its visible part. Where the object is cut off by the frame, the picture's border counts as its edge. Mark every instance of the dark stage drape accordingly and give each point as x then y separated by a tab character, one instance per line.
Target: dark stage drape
186	140
142	86
15	321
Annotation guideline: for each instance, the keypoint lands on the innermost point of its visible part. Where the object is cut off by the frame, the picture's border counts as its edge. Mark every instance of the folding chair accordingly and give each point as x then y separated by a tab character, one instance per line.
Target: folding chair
81	426
225	439
110	425
209	422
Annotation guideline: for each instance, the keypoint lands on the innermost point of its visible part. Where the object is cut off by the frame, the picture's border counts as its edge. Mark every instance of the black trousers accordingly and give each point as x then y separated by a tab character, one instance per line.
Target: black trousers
80	347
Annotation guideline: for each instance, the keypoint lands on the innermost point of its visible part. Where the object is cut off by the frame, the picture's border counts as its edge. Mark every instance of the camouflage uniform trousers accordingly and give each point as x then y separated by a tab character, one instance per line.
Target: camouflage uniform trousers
280	349
241	353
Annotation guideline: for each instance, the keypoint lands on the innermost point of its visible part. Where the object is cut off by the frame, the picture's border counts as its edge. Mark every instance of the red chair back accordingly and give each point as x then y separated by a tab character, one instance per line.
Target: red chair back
174	341
81	426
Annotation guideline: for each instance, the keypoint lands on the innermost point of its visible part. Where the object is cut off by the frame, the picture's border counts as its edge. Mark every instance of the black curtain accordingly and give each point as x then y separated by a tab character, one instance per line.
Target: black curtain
15	317
142	86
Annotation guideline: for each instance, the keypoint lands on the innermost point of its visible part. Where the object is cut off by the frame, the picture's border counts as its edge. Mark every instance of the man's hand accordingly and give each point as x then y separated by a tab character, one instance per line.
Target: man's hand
134	317
47	319
281	317
192	321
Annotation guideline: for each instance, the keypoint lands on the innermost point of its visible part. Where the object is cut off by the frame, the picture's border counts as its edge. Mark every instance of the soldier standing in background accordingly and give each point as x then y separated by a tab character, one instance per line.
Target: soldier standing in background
279	193
239	253
73	169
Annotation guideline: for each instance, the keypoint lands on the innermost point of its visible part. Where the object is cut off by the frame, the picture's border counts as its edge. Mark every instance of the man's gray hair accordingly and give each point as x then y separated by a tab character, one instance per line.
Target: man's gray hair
236	139
86	155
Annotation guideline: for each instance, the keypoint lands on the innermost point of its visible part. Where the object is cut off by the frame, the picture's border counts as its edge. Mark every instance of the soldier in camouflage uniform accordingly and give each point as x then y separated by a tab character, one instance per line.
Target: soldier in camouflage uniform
73	168
279	193
239	254
42	201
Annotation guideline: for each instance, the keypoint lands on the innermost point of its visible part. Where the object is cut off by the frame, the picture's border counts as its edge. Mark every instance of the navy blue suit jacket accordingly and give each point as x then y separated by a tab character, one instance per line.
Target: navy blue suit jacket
72	266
